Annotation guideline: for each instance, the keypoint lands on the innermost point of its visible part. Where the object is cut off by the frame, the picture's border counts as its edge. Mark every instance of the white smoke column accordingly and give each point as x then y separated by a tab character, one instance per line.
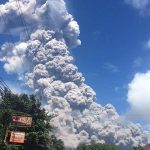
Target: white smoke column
45	61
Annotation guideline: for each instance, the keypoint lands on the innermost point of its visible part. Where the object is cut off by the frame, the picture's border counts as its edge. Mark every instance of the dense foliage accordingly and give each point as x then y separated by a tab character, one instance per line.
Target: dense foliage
97	146
38	135
139	147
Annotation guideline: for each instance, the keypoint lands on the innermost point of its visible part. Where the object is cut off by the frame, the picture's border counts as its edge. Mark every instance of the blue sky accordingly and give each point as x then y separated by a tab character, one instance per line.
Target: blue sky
111	33
113	36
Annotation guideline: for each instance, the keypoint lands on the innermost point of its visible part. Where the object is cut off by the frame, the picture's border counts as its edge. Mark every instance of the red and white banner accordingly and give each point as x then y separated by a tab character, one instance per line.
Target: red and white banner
22	121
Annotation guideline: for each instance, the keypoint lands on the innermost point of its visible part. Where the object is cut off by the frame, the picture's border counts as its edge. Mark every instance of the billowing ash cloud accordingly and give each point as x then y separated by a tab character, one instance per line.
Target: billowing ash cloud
28	15
45	62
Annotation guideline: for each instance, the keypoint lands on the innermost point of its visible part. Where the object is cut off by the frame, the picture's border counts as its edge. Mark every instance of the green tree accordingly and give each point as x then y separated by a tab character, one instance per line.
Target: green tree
56	144
38	135
5	119
97	146
137	147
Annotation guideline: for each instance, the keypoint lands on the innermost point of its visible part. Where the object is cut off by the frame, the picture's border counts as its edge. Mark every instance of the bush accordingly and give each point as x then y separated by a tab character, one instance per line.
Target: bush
97	146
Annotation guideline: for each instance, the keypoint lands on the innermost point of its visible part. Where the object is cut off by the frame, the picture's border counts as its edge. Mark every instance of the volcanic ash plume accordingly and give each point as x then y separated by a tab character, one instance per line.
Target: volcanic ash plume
45	62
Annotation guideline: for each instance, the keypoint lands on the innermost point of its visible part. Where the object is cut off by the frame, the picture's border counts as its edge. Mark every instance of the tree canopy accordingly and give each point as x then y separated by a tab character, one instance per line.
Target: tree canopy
38	136
97	146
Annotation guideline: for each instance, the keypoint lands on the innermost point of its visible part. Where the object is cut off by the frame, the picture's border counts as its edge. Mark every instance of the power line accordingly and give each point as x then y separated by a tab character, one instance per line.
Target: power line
3	87
4	83
25	29
22	19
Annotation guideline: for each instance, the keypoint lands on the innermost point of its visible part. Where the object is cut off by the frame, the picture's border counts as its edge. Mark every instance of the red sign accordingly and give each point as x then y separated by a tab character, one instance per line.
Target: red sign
17	137
22	121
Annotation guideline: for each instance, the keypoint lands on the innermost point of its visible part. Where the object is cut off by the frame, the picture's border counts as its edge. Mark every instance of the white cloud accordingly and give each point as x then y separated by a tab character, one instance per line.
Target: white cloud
111	67
139	96
117	88
147	44
141	5
137	62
